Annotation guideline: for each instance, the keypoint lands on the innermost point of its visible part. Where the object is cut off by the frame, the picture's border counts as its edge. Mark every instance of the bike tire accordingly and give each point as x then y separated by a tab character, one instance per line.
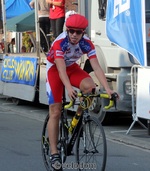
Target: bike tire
91	147
45	148
62	147
45	145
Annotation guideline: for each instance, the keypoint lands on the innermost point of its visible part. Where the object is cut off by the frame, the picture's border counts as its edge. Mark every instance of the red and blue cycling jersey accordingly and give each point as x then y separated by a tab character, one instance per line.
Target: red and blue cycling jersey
62	48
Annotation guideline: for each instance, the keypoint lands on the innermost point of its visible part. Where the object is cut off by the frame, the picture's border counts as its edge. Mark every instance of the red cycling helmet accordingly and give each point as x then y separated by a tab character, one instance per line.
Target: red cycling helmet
76	21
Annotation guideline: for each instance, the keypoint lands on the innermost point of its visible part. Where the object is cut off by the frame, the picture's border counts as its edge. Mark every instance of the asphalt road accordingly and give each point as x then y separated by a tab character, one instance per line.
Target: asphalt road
19	143
20	134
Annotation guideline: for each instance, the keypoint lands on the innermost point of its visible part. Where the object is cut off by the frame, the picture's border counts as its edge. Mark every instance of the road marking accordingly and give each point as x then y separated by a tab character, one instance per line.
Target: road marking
126	130
7	103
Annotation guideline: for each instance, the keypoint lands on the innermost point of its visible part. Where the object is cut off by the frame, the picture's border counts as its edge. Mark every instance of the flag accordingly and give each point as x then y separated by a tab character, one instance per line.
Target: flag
125	26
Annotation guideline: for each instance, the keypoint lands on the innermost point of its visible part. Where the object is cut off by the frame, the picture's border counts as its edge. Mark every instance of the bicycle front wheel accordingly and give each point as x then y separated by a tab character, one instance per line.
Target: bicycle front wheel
91	147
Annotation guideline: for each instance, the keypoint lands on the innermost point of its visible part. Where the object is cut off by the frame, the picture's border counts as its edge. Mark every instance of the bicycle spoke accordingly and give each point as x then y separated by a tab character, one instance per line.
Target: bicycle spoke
91	148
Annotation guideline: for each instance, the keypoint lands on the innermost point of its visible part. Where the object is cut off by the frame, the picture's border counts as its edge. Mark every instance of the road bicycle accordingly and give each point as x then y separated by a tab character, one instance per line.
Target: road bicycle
87	141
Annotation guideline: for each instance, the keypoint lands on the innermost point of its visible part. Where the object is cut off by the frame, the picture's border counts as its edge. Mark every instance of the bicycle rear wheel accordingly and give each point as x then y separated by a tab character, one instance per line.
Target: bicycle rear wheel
45	145
91	147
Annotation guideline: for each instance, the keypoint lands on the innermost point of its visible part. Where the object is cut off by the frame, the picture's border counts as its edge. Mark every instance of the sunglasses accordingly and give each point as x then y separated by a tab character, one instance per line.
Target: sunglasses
72	31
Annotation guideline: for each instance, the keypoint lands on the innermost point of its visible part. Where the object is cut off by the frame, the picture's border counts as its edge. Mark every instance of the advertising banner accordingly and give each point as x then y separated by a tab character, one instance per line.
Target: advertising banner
21	70
125	26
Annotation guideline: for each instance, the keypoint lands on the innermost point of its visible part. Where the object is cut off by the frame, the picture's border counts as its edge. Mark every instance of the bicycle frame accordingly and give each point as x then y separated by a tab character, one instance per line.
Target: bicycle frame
69	142
73	138
64	135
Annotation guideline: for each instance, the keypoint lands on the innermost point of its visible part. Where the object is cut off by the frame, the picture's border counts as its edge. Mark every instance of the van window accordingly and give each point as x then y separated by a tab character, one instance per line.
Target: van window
147	5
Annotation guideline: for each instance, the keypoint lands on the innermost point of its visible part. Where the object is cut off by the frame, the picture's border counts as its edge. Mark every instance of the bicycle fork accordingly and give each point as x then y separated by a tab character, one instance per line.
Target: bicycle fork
88	130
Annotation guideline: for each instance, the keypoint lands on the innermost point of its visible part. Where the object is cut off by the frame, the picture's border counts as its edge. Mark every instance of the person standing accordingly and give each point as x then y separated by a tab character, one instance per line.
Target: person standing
44	23
57	16
31	46
23	49
2	46
11	46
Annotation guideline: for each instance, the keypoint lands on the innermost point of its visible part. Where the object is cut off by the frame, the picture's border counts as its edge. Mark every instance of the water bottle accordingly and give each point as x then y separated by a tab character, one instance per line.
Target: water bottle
74	122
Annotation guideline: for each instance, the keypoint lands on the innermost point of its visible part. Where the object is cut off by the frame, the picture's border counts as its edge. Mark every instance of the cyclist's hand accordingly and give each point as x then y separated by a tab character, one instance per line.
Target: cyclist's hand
113	96
110	92
72	94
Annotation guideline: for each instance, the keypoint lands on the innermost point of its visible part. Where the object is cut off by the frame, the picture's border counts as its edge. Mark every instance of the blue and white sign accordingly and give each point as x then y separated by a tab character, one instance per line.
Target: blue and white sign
21	70
125	26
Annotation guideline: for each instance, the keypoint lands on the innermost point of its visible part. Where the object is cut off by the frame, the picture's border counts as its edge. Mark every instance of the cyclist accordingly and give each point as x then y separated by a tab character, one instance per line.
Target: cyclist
62	70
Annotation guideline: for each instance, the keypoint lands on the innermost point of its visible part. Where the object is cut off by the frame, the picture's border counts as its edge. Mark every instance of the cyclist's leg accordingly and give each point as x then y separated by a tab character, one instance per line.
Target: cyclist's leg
54	91
86	85
82	80
54	88
50	160
53	126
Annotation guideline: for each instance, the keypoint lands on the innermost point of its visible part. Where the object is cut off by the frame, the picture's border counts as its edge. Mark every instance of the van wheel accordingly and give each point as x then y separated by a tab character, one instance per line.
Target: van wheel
100	115
16	101
96	109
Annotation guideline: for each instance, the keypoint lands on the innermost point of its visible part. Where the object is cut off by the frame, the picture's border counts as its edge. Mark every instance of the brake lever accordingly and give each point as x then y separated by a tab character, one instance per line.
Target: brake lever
114	97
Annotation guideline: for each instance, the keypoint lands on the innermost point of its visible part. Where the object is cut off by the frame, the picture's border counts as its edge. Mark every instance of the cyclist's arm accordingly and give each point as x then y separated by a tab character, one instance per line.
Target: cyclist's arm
61	66
100	75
